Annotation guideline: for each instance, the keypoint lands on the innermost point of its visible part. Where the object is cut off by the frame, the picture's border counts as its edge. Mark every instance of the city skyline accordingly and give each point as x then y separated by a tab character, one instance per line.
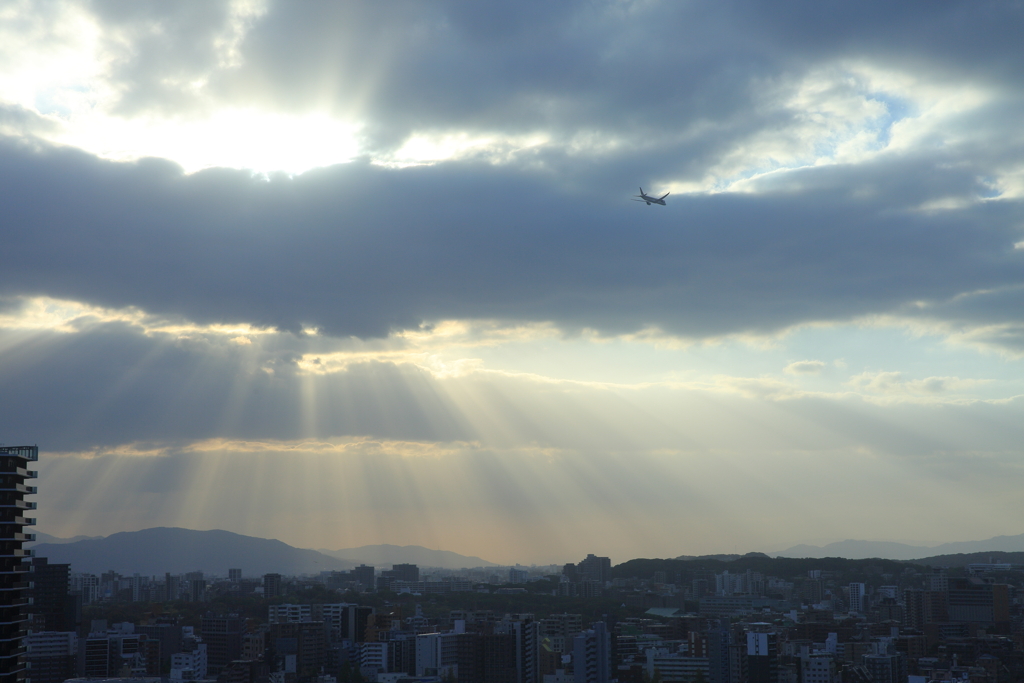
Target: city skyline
342	275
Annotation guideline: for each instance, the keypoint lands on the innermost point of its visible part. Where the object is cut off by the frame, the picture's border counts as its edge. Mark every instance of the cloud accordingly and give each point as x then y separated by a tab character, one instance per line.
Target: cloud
444	64
737	92
113	384
17	121
194	429
893	383
805	367
830	165
362	250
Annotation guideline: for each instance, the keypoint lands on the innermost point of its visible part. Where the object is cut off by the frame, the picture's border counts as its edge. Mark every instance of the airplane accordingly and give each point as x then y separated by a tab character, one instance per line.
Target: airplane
644	197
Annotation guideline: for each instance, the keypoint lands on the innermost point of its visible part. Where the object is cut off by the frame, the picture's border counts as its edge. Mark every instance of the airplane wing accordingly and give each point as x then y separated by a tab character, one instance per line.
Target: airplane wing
664	195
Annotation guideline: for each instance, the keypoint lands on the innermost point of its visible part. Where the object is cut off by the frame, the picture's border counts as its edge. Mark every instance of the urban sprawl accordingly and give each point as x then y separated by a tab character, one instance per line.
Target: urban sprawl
749	619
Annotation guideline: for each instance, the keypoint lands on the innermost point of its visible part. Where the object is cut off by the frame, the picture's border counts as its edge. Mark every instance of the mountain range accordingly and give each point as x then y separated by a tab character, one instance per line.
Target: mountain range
858	550
383	555
155	551
165	549
47	538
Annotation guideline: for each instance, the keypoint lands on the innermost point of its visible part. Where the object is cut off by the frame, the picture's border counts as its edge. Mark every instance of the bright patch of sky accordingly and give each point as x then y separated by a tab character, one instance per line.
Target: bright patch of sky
881	359
62	69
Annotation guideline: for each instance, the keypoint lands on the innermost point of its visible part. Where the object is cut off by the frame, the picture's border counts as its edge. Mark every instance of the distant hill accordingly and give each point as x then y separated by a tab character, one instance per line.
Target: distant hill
758	562
387	555
155	551
47	538
721	558
856	550
964	559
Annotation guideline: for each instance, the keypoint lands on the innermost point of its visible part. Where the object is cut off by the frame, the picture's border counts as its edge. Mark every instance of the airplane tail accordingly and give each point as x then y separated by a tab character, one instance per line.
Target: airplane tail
641	191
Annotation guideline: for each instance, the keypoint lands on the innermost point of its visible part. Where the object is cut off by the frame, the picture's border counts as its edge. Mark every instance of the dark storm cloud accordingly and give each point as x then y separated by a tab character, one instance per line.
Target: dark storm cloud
361	250
632	68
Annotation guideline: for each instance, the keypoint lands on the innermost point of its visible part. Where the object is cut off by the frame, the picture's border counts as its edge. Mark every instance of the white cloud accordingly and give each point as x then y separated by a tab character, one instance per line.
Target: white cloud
894	384
805	367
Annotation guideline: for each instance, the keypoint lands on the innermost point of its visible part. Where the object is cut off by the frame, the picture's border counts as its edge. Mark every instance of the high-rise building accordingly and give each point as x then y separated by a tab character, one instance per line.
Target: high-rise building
223	638
374	659
117	652
858	597
234	575
53	606
404	572
87	587
818	667
166	631
528	651
937	580
498	661
191	665
171	587
271	585
447	654
14	472
925	607
592	655
891	668
402	652
738	663
595	569
517	575
762	657
364	575
559	630
977	601
52	656
306	641
195	584
524	632
719	639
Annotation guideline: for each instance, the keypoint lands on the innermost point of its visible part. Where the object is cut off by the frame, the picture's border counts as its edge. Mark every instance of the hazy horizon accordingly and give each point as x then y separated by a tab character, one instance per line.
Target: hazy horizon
669	555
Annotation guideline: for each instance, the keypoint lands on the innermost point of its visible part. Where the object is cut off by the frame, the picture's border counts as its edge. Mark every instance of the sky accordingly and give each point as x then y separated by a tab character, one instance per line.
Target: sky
347	273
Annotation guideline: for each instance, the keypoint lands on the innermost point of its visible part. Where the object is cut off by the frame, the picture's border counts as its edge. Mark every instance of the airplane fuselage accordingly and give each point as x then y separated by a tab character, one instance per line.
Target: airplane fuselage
644	197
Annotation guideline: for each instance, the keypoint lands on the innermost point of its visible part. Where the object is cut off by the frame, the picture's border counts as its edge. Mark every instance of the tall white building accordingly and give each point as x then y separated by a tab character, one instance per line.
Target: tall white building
189	666
373	659
88	585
